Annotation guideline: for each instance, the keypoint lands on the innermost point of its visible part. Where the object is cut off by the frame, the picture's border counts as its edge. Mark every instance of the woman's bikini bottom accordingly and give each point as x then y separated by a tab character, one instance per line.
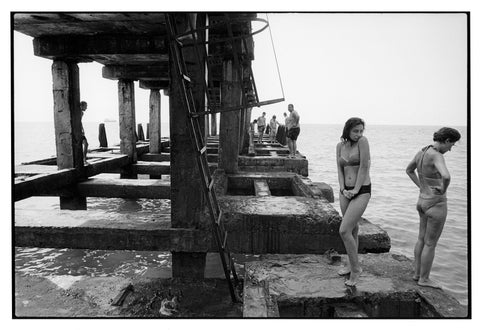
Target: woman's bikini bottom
366	189
424	204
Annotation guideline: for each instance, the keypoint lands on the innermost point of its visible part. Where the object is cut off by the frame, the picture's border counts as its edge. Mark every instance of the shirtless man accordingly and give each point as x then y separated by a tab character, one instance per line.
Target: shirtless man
273	128
261	122
433	180
293	131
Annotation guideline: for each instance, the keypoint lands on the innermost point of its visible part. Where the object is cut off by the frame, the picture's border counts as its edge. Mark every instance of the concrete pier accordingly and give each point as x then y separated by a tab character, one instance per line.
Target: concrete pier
269	205
308	286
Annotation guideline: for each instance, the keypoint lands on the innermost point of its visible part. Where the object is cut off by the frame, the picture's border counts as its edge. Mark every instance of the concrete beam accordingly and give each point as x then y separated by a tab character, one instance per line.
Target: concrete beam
158	72
124	188
149	157
105	230
40	180
155	84
89	23
105	49
43	183
151	168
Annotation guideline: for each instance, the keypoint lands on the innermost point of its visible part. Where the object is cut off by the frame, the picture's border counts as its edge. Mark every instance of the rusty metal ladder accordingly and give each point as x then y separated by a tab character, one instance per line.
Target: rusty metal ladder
200	145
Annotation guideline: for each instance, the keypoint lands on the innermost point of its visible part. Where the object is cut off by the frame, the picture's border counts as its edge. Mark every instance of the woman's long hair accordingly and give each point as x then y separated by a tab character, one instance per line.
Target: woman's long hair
349	124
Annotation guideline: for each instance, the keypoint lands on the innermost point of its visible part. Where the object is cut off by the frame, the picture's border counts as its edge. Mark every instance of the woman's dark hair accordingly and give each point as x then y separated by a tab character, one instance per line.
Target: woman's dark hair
349	124
446	133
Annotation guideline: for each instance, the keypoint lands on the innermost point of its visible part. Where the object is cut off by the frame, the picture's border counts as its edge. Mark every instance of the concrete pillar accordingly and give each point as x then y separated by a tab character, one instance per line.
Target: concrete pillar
230	121
68	124
213	124
207	125
126	107
155	116
102	135
187	198
243	115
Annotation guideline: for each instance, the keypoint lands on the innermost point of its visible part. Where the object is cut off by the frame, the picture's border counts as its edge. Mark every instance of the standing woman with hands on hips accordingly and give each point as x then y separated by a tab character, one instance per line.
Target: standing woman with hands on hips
353	164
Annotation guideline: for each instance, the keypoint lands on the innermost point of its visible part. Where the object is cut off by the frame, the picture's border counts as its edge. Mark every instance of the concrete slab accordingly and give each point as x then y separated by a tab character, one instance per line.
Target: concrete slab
308	286
291	225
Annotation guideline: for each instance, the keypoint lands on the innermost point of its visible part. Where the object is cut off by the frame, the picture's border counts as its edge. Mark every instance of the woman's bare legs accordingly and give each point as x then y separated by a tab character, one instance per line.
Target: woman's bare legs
435	220
420	244
348	227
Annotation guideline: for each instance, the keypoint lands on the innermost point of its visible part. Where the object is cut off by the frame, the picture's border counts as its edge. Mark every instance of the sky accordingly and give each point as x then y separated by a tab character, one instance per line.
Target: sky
394	69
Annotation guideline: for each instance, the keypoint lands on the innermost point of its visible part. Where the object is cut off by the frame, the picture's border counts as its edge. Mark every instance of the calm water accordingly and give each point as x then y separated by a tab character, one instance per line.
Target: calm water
393	200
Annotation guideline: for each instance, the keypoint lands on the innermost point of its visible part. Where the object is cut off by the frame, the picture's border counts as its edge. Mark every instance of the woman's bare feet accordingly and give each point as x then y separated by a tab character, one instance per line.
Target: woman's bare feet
429	283
353	278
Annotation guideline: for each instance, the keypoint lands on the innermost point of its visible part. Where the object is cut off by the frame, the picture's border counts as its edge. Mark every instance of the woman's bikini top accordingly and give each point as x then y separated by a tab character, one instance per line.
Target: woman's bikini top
353	159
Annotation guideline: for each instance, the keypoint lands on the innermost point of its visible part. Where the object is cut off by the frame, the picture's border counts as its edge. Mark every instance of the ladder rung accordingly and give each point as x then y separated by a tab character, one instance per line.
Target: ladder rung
187	78
225	240
198	114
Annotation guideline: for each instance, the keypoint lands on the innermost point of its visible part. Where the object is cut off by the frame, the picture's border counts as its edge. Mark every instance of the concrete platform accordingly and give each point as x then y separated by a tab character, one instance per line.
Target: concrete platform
308	286
293	224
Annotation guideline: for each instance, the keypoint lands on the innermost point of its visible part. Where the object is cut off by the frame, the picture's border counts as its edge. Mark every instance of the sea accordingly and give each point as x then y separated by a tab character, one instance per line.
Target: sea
394	195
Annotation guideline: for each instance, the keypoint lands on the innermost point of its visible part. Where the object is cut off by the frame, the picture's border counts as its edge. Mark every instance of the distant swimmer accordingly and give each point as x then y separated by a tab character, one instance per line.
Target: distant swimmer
353	165
433	180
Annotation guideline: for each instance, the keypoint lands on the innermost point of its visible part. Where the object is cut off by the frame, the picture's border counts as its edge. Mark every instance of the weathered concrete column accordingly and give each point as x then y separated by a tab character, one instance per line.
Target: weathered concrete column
207	125
68	124
187	199
243	115
155	116
230	121
126	107
213	124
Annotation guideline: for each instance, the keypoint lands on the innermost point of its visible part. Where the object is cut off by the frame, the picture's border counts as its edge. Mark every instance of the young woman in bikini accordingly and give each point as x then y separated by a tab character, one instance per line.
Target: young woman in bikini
433	180
353	164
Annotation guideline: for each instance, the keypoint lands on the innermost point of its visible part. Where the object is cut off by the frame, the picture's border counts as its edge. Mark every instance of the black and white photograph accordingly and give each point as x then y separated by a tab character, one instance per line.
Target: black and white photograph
241	164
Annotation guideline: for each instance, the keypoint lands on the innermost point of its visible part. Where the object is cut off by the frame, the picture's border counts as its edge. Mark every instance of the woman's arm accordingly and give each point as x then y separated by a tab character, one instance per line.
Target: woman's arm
411	171
341	175
364	164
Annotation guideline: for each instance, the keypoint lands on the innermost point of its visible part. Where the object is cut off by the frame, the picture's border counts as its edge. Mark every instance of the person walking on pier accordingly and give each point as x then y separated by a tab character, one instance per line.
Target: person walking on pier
293	131
432	180
353	165
273	128
261	122
83	107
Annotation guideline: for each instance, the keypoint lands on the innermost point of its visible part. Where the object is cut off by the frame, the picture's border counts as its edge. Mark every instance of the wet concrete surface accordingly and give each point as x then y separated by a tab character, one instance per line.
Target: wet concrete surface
84	283
298	282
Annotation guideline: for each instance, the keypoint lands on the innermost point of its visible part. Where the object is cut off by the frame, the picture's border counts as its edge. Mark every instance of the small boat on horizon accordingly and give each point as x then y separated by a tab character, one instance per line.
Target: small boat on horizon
109	120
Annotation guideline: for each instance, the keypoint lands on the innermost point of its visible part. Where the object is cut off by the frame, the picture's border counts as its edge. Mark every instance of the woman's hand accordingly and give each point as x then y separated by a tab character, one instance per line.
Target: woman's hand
349	194
437	190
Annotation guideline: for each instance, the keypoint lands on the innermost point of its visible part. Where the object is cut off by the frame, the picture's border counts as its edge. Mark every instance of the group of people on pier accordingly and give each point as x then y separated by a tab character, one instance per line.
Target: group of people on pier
292	129
431	177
